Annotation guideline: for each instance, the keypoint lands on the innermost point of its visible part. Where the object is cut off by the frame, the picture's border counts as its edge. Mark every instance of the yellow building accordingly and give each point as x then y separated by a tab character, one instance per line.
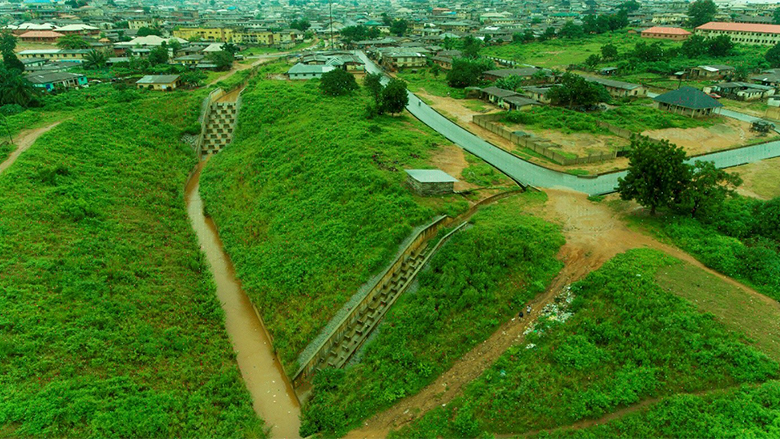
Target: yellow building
239	36
205	34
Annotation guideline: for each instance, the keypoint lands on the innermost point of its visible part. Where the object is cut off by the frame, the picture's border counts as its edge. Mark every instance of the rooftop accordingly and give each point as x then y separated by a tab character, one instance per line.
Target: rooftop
688	97
430	176
741	27
158	79
666	30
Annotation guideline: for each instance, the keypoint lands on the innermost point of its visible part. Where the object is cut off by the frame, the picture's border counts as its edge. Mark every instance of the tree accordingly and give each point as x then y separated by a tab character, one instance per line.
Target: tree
571	31
337	83
609	52
648	52
548	34
720	46
707	189
449	43
7	46
466	72
772	55
158	55
701	11
72	41
193	78
358	33
511	82
394	96
302	25
175	46
15	89
471	47
629	6
223	59
525	37
575	90
94	59
768	219
776	16
694	47
146	31
399	27
657	173
593	60
230	48
373	82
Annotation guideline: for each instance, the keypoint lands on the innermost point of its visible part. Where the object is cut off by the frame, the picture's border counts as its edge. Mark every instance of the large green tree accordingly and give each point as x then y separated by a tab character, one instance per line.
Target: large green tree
701	11
337	83
772	55
94	59
158	55
471	47
694	47
7	47
72	41
776	16
657	174
609	52
15	89
720	46
223	59
575	90
373	82
395	97
707	189
399	27
466	72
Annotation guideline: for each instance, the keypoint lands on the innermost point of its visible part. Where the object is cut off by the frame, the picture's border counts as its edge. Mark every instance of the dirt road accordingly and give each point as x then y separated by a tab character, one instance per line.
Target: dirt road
594	234
23	142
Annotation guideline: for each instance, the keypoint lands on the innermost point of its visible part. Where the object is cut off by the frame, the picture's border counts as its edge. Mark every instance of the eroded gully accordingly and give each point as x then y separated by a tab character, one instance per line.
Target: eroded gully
273	397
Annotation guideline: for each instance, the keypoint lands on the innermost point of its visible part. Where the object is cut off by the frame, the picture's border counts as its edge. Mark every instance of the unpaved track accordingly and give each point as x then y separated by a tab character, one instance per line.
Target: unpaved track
594	234
23	142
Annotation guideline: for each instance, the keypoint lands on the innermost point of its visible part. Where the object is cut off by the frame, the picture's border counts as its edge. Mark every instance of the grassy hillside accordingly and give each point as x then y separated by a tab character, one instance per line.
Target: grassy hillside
747	411
310	201
110	326
478	280
623	339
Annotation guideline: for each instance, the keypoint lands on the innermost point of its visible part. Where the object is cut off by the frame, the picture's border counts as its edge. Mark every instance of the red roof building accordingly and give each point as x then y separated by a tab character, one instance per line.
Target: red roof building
666	33
40	36
742	33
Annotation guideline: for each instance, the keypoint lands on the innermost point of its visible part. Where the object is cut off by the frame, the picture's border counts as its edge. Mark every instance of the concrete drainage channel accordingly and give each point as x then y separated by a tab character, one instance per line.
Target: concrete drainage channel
273	397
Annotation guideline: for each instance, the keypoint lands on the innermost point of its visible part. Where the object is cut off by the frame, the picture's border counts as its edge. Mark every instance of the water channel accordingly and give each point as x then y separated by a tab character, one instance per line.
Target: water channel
273	397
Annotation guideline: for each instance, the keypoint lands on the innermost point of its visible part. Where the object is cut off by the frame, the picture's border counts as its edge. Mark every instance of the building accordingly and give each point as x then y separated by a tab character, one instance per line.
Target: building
687	101
303	71
73	55
525	73
540	94
402	60
619	89
430	181
57	80
742	33
158	82
666	33
78	29
715	71
40	36
741	91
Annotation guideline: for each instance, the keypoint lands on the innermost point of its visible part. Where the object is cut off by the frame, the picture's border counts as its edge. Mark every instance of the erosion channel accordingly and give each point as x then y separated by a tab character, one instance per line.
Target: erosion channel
273	397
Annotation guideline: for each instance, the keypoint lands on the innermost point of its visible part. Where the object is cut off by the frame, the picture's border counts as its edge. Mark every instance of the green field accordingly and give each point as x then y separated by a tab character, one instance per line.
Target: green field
747	411
310	201
478	281
623	339
110	326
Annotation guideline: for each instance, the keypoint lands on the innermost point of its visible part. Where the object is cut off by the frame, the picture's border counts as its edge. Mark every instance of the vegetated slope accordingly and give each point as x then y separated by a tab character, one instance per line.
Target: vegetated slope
748	411
109	324
476	282
310	201
626	339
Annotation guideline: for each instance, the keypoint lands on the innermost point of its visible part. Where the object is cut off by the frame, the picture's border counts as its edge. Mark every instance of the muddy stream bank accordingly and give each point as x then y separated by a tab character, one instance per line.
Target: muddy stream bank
273	397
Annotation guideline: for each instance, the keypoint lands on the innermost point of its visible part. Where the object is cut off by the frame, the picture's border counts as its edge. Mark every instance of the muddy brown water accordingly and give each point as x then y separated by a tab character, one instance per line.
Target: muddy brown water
273	397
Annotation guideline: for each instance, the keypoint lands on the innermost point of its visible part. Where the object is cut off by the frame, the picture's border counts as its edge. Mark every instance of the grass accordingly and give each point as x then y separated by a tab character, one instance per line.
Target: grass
426	81
310	201
110	325
623	339
761	177
748	411
481	174
479	280
6	149
734	307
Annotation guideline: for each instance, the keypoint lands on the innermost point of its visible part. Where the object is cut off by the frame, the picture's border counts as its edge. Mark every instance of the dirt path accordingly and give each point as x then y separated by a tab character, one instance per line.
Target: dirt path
594	234
239	67
23	142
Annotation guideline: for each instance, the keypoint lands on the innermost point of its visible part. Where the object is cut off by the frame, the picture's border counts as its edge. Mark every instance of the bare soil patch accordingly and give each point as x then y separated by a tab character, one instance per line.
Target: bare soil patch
760	179
24	141
452	160
723	135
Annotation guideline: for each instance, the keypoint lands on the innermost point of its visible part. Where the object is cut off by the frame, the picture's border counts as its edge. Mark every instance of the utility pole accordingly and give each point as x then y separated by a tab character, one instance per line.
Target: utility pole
330	7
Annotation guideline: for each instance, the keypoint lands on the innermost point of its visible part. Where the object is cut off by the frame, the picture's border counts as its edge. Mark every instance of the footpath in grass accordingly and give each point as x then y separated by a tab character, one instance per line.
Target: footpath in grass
622	339
310	201
110	326
476	282
748	411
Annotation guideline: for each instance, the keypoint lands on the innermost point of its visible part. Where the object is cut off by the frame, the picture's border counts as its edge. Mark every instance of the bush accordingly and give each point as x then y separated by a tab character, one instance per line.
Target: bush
338	83
11	109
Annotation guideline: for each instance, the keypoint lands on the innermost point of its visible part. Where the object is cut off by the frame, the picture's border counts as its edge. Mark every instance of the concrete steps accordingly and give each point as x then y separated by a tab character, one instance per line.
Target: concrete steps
219	127
367	318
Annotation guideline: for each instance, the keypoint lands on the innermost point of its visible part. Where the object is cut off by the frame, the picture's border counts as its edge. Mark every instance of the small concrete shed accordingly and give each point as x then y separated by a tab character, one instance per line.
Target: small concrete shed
430	181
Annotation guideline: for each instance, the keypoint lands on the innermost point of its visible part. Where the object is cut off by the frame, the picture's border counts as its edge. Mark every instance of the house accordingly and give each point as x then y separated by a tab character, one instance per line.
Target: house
715	71
608	71
159	82
666	33
526	73
78	29
72	55
517	102
30	63
496	95
56	80
742	33
741	91
767	77
539	94
40	36
619	89
430	181
401	60
687	101
303	71
444	58
189	60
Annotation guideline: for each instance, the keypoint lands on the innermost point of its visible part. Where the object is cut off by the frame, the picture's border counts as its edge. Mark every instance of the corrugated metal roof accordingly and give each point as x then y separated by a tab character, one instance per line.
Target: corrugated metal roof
430	176
740	27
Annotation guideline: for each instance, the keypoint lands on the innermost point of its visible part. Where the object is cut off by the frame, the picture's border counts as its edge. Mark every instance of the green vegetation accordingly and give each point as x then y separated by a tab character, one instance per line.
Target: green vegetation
6	148
310	201
635	116
425	80
110	326
624	339
480	173
478	280
748	411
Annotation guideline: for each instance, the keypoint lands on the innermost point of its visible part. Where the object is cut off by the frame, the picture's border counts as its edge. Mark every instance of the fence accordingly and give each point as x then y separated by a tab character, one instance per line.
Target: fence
486	121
